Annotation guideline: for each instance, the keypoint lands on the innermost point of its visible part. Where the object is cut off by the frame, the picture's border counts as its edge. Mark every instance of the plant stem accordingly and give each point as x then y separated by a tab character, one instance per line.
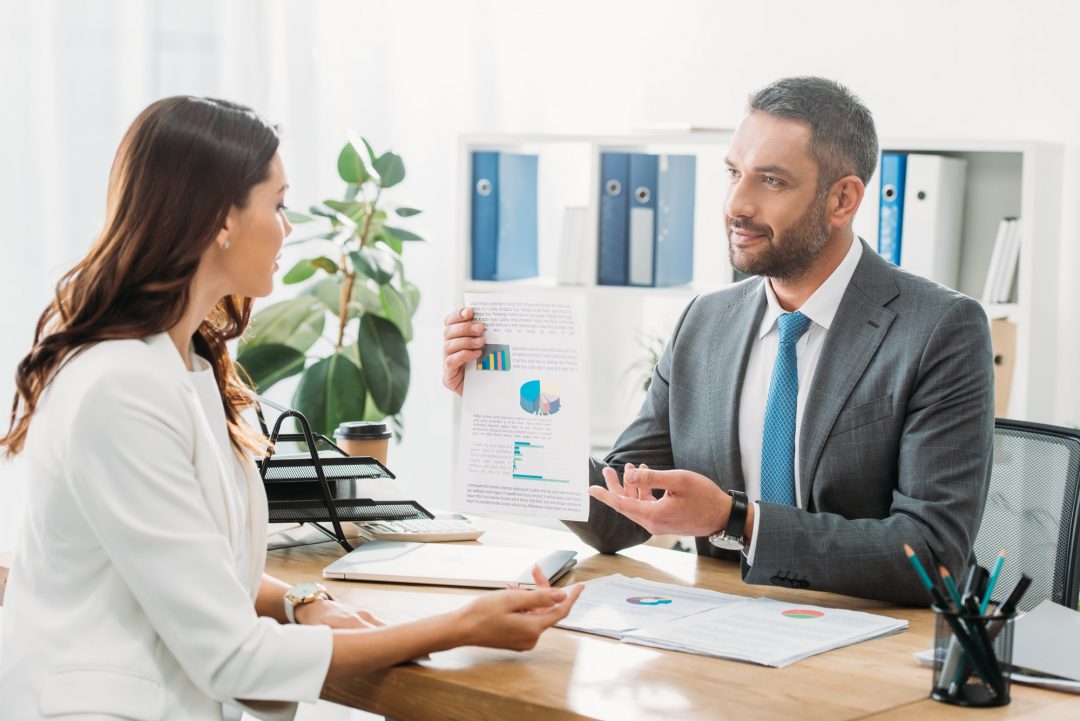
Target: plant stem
343	304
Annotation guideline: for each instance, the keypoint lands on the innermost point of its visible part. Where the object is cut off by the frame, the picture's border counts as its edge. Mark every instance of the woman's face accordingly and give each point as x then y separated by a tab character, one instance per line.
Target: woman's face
255	234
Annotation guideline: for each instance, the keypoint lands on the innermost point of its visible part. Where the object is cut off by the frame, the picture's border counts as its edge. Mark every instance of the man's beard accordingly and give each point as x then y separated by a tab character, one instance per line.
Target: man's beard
792	254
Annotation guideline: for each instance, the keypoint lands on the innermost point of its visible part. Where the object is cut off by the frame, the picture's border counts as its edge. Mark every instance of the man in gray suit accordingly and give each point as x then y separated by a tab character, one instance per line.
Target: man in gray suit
811	421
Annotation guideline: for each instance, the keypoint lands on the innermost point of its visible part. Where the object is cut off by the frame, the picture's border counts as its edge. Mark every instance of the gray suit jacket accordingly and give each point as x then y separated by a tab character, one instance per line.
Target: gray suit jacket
895	442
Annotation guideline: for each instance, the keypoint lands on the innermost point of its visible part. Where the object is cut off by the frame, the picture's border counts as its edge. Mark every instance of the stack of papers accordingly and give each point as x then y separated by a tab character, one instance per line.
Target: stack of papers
709	623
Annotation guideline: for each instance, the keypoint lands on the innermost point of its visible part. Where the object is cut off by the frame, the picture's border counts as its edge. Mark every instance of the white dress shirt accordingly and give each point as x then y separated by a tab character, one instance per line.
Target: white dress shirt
820	308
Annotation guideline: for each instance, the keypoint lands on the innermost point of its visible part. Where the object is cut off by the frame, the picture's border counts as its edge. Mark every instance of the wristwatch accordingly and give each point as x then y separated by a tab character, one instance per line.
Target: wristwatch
731	538
303	593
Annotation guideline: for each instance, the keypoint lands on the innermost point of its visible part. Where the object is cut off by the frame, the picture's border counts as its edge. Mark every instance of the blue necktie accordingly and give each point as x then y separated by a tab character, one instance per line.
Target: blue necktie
778	441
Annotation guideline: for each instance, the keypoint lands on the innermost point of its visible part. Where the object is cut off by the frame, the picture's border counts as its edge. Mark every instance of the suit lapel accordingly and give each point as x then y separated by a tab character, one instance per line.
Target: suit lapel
733	339
860	325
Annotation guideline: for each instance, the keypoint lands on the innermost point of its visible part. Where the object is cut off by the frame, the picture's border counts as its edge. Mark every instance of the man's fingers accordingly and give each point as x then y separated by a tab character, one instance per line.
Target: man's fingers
648	479
461	330
459	315
637	511
614	485
455	345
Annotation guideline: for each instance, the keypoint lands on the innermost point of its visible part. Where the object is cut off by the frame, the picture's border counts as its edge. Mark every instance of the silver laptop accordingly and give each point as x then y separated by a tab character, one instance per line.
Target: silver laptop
449	564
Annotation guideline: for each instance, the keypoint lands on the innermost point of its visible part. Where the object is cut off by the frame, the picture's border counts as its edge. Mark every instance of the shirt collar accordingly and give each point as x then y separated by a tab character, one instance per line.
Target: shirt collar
822	305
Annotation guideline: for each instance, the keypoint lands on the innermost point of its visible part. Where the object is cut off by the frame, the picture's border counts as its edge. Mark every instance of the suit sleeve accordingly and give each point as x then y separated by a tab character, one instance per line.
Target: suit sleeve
942	477
131	472
646	440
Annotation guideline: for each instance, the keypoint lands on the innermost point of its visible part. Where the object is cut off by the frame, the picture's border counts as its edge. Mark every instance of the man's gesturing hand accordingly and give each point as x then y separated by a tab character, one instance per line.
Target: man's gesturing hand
691	505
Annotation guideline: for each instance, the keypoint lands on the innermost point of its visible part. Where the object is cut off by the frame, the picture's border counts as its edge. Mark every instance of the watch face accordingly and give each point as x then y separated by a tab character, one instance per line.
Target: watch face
728	543
303	592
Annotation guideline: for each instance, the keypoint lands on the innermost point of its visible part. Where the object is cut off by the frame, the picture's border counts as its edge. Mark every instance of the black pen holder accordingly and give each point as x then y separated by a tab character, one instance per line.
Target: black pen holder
972	658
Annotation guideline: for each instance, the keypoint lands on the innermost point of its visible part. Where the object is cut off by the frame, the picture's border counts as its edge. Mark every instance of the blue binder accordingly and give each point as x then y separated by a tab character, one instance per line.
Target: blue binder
891	214
612	254
674	263
641	229
504	239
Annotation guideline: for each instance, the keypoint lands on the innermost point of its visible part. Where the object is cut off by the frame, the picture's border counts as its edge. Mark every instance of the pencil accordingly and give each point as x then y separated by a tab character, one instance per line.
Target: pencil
992	582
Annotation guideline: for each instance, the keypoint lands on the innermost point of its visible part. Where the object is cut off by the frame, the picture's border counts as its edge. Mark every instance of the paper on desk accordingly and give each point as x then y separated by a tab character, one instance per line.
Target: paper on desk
615	605
524	428
926	660
764	631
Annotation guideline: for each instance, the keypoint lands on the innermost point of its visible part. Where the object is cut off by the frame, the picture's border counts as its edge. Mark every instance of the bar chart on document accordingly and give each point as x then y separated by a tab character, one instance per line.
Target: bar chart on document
523	440
531	462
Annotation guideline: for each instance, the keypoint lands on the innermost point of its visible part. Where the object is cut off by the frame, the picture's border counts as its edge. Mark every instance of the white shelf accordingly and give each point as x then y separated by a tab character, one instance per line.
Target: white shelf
1020	178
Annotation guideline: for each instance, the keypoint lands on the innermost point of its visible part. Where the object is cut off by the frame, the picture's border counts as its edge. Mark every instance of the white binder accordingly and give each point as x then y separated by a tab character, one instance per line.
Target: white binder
933	217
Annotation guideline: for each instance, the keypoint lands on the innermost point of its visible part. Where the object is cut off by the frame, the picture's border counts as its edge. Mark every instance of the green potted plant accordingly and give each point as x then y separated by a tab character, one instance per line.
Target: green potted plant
346	331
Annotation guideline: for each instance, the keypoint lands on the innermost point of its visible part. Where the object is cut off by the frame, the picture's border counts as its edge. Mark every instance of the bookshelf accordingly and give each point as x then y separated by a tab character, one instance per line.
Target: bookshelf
1003	178
1006	178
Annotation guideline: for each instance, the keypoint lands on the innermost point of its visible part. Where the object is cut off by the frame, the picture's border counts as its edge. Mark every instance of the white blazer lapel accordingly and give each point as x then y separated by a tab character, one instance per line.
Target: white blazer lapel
211	468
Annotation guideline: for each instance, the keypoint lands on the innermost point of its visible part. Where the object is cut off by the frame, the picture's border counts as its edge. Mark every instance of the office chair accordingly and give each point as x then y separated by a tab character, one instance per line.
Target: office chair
1032	511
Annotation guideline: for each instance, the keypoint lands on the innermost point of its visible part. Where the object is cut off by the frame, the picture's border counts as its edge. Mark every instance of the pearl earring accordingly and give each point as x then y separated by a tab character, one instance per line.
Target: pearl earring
225	244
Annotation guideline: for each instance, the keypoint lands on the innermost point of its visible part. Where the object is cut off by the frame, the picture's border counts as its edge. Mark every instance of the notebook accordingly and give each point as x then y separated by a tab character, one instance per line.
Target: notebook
446	564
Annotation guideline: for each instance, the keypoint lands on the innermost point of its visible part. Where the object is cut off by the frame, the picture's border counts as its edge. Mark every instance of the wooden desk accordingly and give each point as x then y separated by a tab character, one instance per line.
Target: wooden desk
572	675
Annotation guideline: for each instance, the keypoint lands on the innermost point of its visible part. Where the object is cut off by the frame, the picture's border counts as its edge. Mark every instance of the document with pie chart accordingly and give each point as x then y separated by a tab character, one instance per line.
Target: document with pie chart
711	623
523	442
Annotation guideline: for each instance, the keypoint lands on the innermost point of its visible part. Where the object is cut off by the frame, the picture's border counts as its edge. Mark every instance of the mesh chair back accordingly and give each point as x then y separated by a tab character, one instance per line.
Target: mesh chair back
1031	511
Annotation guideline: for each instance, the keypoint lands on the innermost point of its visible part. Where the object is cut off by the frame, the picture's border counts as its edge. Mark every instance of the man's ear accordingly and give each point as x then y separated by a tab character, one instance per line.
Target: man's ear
845	197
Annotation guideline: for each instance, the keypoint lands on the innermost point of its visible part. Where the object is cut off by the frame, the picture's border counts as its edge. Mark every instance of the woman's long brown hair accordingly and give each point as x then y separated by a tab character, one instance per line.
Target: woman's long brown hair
181	166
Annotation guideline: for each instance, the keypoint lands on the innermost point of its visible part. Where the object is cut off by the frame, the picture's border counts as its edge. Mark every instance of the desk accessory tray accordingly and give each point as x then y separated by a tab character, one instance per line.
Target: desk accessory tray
320	484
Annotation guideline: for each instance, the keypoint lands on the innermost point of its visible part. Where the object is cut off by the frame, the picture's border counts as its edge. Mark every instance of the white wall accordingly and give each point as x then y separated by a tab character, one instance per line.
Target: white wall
413	75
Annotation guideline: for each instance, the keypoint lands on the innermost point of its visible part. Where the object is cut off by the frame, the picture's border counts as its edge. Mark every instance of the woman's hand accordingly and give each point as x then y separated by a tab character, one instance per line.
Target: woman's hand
514	619
335	615
464	344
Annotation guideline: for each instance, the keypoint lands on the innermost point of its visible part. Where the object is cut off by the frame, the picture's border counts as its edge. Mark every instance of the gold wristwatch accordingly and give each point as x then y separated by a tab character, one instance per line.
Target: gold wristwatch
303	593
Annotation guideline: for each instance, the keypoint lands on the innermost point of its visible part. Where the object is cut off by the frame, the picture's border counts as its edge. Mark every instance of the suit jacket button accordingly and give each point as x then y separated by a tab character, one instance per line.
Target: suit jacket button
776	581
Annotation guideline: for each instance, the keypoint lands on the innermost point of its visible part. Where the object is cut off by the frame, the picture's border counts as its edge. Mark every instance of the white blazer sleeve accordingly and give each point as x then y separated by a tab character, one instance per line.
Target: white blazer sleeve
131	470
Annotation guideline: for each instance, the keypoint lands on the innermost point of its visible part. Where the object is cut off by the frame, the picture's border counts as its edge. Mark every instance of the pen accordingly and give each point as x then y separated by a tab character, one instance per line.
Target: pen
988	659
953	620
992	582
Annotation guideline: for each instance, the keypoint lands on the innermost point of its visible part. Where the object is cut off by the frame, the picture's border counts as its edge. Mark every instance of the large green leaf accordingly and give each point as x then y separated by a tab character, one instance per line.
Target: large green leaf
401	233
299	272
391	169
366	298
328	291
297	323
351	191
269	363
351	166
396	310
374	263
394	244
386	362
412	296
331	391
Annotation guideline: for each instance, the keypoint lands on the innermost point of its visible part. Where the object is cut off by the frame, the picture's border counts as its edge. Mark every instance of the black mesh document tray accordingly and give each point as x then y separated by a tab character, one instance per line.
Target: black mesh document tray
321	484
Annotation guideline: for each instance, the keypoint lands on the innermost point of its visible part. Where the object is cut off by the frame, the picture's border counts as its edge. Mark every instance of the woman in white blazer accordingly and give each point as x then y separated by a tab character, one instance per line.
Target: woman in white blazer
137	589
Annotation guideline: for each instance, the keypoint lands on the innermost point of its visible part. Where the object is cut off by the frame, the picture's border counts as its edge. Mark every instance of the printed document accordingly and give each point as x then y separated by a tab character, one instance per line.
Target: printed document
615	605
524	429
710	623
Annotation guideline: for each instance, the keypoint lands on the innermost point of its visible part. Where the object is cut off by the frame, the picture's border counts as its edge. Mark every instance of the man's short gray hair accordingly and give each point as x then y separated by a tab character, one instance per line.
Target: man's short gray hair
843	138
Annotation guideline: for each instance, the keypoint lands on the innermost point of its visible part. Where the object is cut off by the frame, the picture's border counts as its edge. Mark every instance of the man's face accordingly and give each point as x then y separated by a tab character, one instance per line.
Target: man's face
774	212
